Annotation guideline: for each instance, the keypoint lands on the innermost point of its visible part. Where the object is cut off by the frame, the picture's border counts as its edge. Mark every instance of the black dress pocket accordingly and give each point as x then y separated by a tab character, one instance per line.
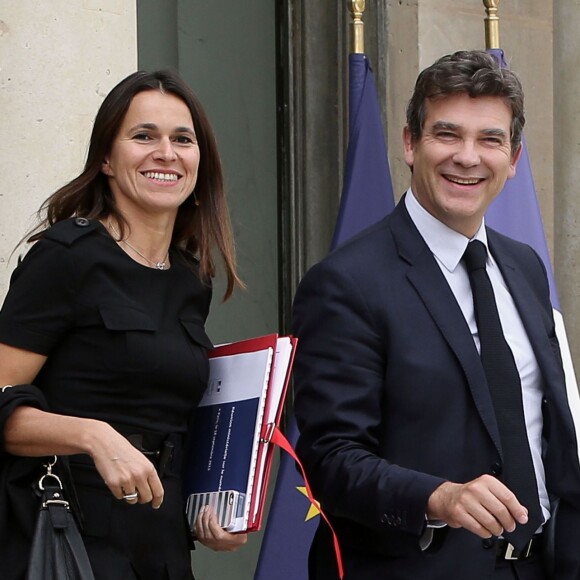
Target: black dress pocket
131	338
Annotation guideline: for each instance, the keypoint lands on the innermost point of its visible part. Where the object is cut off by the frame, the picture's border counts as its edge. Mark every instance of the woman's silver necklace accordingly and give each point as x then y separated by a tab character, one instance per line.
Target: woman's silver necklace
158	265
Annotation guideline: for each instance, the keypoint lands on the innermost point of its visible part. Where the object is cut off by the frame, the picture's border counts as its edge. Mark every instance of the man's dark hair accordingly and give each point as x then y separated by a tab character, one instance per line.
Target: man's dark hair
472	72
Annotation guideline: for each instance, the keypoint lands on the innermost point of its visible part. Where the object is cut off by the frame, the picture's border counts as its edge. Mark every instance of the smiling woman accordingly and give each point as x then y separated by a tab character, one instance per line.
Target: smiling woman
102	335
153	163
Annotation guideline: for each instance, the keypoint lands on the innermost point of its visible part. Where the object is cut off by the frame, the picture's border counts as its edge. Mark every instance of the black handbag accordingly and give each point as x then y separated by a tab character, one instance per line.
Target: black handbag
58	551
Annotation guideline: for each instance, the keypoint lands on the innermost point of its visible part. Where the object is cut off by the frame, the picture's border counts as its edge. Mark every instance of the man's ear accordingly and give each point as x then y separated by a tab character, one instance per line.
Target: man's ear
106	168
514	161
408	147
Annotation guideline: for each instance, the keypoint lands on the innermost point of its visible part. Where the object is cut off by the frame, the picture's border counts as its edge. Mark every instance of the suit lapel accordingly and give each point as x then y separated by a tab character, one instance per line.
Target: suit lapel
529	309
430	283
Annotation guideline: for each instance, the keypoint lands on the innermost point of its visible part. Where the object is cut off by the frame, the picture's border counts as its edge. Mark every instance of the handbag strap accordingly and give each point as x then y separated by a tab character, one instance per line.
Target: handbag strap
57	548
49	479
53	497
63	484
57	506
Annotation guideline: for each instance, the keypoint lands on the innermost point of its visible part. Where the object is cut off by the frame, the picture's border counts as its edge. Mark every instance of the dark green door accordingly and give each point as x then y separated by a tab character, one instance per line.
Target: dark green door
226	50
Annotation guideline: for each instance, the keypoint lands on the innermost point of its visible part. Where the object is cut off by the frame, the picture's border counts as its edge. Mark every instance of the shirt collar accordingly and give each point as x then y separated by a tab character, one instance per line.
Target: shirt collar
447	245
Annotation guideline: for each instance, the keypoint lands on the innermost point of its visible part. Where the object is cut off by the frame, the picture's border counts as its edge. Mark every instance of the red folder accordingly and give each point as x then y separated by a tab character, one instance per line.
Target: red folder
260	366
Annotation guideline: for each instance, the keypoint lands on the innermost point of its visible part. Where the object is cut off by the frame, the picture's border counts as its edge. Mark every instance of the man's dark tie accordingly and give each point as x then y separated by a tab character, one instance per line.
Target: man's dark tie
506	393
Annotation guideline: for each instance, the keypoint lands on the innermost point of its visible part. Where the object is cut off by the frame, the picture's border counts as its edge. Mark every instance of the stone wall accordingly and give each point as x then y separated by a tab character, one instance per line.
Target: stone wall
58	59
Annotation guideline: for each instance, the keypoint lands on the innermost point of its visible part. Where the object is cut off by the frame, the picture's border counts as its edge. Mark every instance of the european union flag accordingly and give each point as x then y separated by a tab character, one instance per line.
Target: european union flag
367	196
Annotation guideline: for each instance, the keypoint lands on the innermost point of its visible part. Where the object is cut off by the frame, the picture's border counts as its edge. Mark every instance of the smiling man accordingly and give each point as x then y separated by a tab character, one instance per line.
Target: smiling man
430	393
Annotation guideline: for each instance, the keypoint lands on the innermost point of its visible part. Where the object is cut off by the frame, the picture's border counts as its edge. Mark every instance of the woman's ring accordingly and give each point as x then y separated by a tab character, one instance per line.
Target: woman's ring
131	496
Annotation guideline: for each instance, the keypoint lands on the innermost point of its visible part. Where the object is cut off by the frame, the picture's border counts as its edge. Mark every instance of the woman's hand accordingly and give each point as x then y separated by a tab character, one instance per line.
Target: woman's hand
211	535
125	470
31	432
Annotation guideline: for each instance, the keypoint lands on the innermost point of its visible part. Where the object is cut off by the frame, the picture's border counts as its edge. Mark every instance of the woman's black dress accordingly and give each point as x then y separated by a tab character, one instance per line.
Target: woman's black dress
126	345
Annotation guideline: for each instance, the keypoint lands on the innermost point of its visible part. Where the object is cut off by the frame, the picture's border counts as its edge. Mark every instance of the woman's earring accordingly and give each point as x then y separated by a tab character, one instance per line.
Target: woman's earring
195	200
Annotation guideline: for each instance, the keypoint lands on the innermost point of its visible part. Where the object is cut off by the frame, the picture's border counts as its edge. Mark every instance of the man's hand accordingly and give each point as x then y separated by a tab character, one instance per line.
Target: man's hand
484	506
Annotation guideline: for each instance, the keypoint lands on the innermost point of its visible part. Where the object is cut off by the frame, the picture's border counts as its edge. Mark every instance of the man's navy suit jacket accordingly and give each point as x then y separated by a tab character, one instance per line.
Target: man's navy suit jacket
391	401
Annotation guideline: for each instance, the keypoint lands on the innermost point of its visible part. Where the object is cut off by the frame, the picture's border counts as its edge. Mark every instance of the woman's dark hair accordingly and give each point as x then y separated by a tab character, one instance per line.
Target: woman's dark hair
198	228
472	72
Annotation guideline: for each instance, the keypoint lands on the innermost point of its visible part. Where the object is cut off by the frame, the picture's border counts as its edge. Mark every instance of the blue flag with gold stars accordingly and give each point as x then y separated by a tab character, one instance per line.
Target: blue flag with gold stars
367	196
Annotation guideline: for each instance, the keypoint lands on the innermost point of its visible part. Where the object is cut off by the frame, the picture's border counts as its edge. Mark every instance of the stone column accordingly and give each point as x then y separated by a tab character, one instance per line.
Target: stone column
58	60
567	166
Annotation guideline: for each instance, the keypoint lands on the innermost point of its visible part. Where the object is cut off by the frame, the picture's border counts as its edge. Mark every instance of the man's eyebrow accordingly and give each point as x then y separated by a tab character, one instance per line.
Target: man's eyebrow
448	126
444	126
495	132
